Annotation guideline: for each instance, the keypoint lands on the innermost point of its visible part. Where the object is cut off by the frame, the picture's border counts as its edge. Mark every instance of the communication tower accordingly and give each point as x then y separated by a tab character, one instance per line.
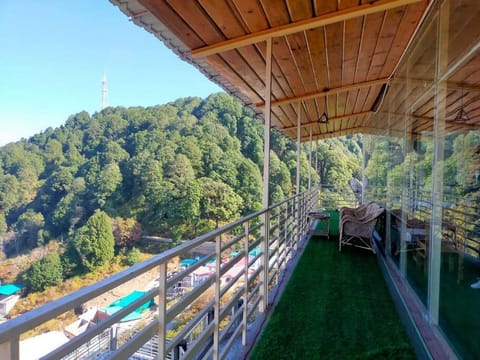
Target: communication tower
104	92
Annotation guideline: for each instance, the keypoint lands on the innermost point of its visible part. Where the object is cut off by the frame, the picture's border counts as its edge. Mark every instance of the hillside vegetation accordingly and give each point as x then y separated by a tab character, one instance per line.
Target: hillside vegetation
173	170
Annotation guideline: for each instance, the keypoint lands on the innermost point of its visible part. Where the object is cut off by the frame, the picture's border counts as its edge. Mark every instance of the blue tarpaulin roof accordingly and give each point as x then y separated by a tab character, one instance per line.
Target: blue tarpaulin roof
10	289
126	300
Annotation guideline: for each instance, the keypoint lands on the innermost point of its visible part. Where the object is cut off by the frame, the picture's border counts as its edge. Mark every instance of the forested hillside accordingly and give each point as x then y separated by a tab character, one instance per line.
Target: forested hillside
172	170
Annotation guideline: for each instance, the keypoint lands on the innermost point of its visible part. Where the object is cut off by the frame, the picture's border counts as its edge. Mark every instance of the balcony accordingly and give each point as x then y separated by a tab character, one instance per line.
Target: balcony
201	310
217	309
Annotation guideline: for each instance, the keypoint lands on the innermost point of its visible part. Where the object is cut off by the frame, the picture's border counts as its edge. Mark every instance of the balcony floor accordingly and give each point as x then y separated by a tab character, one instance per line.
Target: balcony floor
335	305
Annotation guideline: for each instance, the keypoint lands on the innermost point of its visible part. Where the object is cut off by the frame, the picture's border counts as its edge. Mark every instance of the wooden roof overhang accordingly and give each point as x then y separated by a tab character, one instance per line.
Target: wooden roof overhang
332	56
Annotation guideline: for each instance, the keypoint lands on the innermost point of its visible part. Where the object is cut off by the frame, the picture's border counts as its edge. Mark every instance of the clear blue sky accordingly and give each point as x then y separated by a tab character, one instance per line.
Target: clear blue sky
53	54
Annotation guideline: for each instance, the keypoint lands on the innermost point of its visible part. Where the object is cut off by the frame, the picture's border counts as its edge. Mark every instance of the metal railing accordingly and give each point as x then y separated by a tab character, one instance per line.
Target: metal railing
220	294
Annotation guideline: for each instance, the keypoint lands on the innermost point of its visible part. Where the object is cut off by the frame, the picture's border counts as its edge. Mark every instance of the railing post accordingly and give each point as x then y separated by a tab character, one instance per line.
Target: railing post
245	276
277	236
216	319
162	310
264	260
285	234
10	350
298	224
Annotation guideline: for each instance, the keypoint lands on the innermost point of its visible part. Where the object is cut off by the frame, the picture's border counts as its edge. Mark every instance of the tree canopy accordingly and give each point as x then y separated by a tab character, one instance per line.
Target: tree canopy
173	169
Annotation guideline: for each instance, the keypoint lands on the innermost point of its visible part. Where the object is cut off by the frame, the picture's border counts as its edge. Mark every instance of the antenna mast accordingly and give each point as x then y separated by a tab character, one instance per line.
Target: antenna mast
104	92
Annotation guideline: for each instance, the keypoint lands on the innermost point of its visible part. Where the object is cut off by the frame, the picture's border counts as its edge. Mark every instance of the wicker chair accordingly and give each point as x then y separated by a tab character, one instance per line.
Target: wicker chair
357	226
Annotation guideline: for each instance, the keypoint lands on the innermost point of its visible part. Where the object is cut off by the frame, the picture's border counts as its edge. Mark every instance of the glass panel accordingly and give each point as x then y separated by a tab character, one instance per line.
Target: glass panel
463	27
459	315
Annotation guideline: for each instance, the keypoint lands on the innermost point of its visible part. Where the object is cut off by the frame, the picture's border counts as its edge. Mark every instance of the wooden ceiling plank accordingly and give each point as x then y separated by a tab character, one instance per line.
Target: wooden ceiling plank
463	18
234	78
380	49
327	92
350	105
345	4
360	104
299	50
255	59
223	16
353	32
276	12
299	10
251	14
280	84
341	104
310	111
243	68
317	56
281	117
298	26
372	95
373	24
283	56
362	95
361	121
321	7
468	76
404	33
170	18
360	46
200	22
334	45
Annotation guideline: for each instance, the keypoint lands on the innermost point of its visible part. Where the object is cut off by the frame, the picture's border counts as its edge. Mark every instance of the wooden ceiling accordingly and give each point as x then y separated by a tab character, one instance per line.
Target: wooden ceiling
331	56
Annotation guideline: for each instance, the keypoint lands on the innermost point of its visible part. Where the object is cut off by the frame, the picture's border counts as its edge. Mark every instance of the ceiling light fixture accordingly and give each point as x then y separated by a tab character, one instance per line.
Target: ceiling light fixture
462	115
324	118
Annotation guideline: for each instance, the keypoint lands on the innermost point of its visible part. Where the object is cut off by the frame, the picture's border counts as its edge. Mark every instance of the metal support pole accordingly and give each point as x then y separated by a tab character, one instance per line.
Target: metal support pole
266	173
10	350
364	164
433	297
267	115
310	161
316	163
216	306
162	311
245	279
299	137
297	192
264	260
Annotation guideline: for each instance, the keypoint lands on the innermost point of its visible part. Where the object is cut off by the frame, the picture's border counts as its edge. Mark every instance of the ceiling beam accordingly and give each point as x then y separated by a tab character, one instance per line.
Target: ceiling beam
331	134
450	84
325	92
425	119
302	25
287	128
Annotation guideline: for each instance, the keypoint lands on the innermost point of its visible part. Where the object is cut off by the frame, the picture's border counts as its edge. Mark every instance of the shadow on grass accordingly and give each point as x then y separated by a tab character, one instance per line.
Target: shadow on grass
335	306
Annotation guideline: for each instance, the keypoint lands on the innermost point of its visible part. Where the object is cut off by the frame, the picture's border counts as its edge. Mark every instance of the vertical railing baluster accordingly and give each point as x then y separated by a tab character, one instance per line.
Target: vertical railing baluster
10	349
287	228
216	328
245	276
264	261
162	311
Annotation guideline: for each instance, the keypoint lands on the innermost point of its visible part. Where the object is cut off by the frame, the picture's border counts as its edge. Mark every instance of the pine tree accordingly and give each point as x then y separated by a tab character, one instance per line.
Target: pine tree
94	241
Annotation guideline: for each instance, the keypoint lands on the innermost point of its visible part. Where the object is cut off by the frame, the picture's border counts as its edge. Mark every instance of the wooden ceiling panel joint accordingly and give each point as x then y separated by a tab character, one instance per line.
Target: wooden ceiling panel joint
327	92
298	26
330	120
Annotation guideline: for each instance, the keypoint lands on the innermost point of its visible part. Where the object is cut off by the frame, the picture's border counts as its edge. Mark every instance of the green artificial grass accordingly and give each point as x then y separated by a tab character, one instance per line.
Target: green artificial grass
335	306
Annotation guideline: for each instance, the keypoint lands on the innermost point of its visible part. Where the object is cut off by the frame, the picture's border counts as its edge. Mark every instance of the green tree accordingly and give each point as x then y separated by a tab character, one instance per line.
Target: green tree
219	201
132	257
94	242
28	226
44	273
